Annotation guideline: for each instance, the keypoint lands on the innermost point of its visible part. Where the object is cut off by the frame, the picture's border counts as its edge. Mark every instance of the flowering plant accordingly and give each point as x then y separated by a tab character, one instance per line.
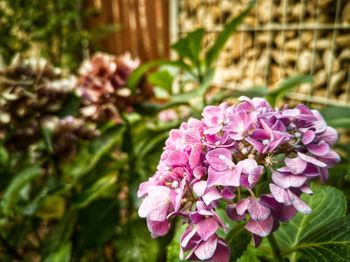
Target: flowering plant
222	158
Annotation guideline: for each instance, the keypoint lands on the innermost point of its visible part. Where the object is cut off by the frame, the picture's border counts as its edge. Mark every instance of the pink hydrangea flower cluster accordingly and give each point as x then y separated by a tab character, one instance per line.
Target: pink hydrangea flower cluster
222	157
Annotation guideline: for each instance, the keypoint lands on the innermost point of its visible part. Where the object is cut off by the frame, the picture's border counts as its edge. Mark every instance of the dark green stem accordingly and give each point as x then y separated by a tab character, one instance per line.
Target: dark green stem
276	252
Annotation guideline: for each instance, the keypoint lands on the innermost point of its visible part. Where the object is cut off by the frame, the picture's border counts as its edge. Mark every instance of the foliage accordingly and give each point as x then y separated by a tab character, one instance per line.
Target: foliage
54	29
84	208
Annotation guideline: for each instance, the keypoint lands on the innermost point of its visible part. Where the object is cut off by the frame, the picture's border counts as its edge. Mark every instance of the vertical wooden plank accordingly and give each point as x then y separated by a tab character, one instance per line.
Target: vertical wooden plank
166	27
151	26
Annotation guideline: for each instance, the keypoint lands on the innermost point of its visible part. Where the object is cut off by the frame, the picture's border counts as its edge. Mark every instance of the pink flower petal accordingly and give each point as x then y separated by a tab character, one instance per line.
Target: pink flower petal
158	228
320	149
295	165
215	157
222	252
211	195
288	180
308	137
195	156
260	228
242	206
258	211
311	160
206	228
280	194
207	248
299	204
199	188
177	158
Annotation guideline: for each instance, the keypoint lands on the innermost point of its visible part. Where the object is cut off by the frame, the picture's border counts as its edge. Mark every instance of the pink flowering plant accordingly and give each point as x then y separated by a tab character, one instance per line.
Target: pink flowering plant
222	159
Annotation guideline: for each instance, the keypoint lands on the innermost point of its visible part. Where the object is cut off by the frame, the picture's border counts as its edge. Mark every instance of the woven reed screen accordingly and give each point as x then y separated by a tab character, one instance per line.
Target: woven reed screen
280	38
143	26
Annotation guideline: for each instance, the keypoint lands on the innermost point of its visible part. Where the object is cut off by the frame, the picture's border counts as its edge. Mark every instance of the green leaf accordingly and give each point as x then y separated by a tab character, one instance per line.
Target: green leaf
173	249
95	190
137	74
238	239
12	192
227	31
337	116
329	243
162	79
4	156
61	233
89	156
63	253
135	244
97	223
190	45
286	86
327	203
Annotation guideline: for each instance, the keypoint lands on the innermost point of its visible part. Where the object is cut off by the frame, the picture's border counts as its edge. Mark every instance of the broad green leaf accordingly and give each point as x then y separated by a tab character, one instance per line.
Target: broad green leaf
62	254
95	190
190	45
286	86
337	116
12	192
331	242
135	244
173	249
162	79
4	156
238	239
52	208
97	223
327	204
137	74
227	31
89	156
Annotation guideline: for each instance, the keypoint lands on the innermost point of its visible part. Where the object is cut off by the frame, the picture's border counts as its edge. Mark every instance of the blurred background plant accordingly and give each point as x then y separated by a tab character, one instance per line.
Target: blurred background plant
74	147
52	29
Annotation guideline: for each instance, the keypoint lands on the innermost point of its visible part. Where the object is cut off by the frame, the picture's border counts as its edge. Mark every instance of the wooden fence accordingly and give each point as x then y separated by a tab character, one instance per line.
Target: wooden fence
143	26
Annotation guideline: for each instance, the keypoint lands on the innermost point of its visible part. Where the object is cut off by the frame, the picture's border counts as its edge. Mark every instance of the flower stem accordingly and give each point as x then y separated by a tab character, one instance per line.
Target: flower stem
276	252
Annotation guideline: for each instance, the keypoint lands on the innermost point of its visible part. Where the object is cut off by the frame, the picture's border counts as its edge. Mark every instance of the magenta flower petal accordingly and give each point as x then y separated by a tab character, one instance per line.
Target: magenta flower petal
222	252
308	137
195	156
207	248
217	157
280	194
311	160
257	211
330	135
206	228
295	165
177	158
299	204
232	213
242	206
260	228
286	180
319	149
211	195
158	228
199	188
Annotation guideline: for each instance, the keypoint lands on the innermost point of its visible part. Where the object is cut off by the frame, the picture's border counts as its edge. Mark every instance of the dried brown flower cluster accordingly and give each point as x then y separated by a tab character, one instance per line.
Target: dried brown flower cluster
102	84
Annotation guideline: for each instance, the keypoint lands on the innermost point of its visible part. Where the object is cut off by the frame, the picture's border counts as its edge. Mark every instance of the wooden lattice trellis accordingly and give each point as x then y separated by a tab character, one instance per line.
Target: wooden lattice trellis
279	38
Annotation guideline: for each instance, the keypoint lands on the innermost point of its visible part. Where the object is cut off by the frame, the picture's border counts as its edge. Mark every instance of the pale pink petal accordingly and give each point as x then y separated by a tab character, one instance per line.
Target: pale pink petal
215	157
195	156
280	194
258	211
199	188
295	165
308	137
242	206
206	228
177	158
207	248
222	252
158	228
299	204
319	149
260	228
288	180
311	160
211	195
